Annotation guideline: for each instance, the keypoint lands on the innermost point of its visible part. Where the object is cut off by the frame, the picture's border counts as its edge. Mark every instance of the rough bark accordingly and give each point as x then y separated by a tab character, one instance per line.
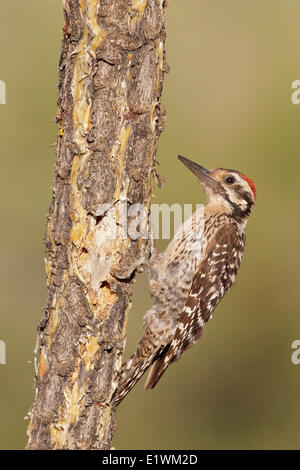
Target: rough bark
110	81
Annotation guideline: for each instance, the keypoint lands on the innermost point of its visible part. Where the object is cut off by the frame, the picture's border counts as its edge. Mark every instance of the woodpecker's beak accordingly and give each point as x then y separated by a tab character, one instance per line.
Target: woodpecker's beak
202	173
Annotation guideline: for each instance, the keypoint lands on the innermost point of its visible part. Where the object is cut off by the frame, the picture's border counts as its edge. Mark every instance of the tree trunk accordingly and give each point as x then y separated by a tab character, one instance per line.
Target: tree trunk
110	81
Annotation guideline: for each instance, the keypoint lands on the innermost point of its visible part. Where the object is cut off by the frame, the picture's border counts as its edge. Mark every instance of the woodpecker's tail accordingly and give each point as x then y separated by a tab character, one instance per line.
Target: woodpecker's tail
158	367
135	367
131	372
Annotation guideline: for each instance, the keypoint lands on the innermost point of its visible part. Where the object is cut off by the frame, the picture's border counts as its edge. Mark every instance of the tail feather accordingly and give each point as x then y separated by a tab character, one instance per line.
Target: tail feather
132	371
147	353
157	369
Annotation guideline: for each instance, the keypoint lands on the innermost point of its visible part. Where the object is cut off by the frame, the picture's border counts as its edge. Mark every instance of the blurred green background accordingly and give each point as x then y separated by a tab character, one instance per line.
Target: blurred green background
228	101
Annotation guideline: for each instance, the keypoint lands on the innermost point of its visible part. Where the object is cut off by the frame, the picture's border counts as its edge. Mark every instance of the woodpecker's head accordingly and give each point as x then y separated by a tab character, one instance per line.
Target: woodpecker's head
230	189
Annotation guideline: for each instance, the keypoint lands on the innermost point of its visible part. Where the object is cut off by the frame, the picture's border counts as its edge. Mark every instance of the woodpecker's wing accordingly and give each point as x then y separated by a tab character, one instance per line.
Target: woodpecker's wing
215	275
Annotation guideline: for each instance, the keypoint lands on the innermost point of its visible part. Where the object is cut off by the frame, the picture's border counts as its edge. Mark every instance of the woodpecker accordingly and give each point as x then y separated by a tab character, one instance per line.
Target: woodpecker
192	275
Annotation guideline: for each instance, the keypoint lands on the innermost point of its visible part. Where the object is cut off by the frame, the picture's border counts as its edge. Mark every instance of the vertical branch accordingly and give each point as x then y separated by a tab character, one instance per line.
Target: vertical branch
110	81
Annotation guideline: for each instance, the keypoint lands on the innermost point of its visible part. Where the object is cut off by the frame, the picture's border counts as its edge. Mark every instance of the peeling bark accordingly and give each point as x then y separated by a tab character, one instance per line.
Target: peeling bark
110	81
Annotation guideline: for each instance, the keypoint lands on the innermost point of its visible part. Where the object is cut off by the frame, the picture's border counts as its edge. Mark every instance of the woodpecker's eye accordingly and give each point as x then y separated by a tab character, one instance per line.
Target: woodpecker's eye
229	179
